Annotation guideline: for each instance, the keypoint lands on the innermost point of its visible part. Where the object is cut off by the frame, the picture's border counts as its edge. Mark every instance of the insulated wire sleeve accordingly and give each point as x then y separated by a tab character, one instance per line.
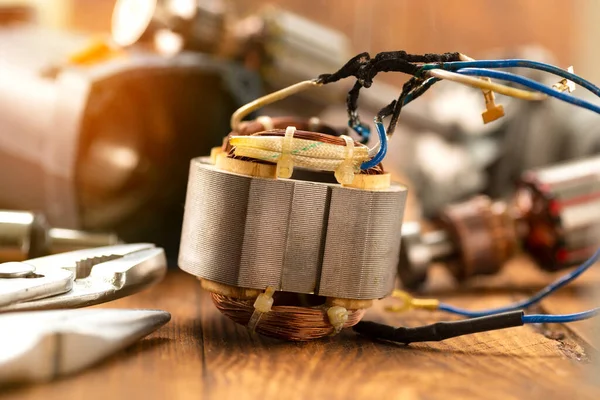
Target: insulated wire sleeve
304	153
304	147
517	63
449	329
440	330
479	83
373	162
530	83
548	290
246	109
543	318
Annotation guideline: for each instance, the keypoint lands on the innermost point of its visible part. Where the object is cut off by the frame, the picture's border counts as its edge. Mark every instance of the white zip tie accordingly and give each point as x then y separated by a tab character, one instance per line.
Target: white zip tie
262	305
344	173
285	164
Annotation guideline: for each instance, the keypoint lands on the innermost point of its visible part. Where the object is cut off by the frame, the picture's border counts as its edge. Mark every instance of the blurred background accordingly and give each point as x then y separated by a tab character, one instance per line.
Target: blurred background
101	110
566	28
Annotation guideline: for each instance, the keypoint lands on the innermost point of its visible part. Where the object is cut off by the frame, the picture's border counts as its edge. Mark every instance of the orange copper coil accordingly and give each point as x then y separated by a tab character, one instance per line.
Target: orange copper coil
287	322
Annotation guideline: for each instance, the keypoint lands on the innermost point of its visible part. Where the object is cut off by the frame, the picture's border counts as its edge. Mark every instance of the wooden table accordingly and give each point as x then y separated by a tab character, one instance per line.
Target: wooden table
201	354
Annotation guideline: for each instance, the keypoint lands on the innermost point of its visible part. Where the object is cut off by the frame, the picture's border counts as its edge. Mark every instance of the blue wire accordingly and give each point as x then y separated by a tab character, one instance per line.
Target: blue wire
373	162
548	290
462	68
542	318
530	83
362	130
517	63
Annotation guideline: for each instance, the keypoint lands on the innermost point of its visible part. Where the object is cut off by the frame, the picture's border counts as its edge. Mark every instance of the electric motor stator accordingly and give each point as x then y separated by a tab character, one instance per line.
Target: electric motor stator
305	243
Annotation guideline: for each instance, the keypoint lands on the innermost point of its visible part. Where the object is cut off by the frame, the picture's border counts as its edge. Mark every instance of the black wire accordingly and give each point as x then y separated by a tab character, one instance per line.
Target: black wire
408	87
364	69
352	104
440	330
349	69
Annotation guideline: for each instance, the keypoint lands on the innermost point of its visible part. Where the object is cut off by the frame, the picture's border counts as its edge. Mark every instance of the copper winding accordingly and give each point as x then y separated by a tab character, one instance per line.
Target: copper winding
313	125
248	128
284	322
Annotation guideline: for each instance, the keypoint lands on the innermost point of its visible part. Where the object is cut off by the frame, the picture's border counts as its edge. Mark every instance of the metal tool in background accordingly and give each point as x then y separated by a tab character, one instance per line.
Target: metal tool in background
109	146
169	26
43	345
282	46
25	234
80	278
554	216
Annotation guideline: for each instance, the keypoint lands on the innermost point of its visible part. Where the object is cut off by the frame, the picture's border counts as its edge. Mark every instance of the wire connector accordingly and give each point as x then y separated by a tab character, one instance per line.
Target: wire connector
344	173
338	316
565	85
410	303
285	164
492	111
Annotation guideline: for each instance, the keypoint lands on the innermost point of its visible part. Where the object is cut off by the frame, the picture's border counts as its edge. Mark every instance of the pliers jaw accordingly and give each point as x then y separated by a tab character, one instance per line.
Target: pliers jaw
80	278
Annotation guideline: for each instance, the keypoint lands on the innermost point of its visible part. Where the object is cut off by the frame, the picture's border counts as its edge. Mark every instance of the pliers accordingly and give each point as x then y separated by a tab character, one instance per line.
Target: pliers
80	278
42	345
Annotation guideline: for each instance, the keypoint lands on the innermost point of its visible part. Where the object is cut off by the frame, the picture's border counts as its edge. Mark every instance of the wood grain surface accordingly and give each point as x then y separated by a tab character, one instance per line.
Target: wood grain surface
202	355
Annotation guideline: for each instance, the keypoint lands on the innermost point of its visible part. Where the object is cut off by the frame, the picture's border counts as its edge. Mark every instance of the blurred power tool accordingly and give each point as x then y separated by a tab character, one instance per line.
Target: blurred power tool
105	146
554	216
104	143
26	235
284	47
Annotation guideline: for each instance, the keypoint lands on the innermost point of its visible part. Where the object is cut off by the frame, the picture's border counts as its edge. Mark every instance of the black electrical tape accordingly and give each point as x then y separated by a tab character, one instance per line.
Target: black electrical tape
440	330
349	69
364	68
